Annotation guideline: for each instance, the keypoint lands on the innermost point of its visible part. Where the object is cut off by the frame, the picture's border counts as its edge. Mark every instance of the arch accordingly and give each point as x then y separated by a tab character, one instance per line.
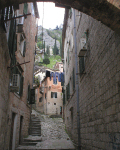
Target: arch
105	11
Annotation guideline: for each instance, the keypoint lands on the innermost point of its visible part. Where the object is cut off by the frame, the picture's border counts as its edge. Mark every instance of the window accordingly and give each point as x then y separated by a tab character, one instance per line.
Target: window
22	45
40	99
53	94
68	91
18	70
81	65
54	81
45	95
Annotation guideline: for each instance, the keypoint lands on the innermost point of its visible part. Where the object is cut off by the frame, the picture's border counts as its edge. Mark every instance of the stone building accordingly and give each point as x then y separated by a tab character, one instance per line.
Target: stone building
18	30
49	99
98	64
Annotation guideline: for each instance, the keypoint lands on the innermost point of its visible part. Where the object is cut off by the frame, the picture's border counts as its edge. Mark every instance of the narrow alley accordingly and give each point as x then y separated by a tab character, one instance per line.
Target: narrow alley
53	135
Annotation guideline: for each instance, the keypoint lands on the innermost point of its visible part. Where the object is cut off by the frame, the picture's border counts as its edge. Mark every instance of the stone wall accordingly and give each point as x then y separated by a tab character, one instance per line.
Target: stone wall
12	102
99	86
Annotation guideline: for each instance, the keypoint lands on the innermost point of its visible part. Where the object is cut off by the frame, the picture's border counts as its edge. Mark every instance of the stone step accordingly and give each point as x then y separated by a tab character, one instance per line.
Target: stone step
32	139
29	143
35	134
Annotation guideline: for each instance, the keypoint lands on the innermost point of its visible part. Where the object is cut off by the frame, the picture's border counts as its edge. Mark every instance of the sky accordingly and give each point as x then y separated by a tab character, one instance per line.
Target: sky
53	16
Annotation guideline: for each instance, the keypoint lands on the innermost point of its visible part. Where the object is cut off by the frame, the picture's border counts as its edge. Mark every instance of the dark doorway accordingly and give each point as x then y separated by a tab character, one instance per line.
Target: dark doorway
60	110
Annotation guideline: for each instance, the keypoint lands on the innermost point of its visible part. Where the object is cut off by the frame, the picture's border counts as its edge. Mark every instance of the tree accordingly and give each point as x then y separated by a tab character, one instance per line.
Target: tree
48	51
60	47
46	61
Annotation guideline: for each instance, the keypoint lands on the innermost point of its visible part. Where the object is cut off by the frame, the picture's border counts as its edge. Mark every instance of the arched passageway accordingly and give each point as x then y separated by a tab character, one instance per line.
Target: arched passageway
106	11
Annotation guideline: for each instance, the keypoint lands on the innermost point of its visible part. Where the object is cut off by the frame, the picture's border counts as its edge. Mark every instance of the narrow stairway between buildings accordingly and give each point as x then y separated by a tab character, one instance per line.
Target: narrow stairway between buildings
46	133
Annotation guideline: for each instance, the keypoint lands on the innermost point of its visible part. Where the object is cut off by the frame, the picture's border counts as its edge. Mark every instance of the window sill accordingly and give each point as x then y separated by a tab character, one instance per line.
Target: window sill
16	95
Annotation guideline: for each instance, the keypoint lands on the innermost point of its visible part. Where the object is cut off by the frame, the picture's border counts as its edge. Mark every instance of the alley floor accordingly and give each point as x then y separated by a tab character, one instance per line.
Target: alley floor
53	134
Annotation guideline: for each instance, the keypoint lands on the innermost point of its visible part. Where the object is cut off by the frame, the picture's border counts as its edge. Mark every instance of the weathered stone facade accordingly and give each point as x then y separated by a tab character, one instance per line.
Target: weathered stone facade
14	108
99	88
51	102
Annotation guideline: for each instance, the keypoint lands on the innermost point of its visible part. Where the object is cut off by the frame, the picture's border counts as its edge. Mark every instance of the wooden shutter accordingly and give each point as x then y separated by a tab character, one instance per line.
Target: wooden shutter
25	8
21	86
32	96
81	65
24	50
55	94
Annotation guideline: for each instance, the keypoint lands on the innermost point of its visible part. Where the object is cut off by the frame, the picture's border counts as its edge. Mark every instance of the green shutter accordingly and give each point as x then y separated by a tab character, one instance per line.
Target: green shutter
24	50
25	8
32	96
81	65
21	86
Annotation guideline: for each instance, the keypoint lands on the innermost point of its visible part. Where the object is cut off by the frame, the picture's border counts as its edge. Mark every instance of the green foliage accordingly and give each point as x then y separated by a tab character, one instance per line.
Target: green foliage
55	34
36	80
55	49
46	61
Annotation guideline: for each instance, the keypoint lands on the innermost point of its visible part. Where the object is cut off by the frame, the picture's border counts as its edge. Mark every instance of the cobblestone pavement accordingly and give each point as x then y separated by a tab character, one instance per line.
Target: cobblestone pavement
53	135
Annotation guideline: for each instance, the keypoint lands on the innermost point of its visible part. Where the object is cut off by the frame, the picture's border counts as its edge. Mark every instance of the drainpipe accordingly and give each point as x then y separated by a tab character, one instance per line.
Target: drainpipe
77	86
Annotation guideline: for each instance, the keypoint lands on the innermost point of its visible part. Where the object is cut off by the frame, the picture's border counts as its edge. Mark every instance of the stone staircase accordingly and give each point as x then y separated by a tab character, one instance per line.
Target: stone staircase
34	137
35	127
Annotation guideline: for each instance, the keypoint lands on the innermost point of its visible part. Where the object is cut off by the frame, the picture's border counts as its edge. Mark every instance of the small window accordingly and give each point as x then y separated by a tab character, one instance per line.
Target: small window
53	94
54	103
54	81
81	65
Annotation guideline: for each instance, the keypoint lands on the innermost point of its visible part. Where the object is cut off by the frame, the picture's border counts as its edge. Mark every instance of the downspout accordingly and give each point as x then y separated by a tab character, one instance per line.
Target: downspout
77	86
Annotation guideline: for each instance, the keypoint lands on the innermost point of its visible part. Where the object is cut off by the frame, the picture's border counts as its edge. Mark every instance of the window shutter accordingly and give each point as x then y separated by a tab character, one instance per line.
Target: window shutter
21	86
28	94
55	94
81	65
32	96
51	94
63	98
25	8
24	50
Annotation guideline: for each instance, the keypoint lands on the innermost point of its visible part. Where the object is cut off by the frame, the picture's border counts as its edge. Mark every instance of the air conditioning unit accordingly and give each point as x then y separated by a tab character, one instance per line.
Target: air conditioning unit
83	47
20	24
15	84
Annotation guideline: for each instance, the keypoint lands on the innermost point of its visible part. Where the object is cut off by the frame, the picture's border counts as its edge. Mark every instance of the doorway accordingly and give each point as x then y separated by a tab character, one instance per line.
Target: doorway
13	131
20	131
60	110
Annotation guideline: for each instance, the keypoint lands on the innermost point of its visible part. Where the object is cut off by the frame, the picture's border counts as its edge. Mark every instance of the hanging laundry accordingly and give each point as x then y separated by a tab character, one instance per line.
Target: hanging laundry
56	75
62	79
52	75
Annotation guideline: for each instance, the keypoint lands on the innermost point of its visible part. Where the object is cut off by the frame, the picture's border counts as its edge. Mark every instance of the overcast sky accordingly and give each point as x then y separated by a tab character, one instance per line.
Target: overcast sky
53	16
